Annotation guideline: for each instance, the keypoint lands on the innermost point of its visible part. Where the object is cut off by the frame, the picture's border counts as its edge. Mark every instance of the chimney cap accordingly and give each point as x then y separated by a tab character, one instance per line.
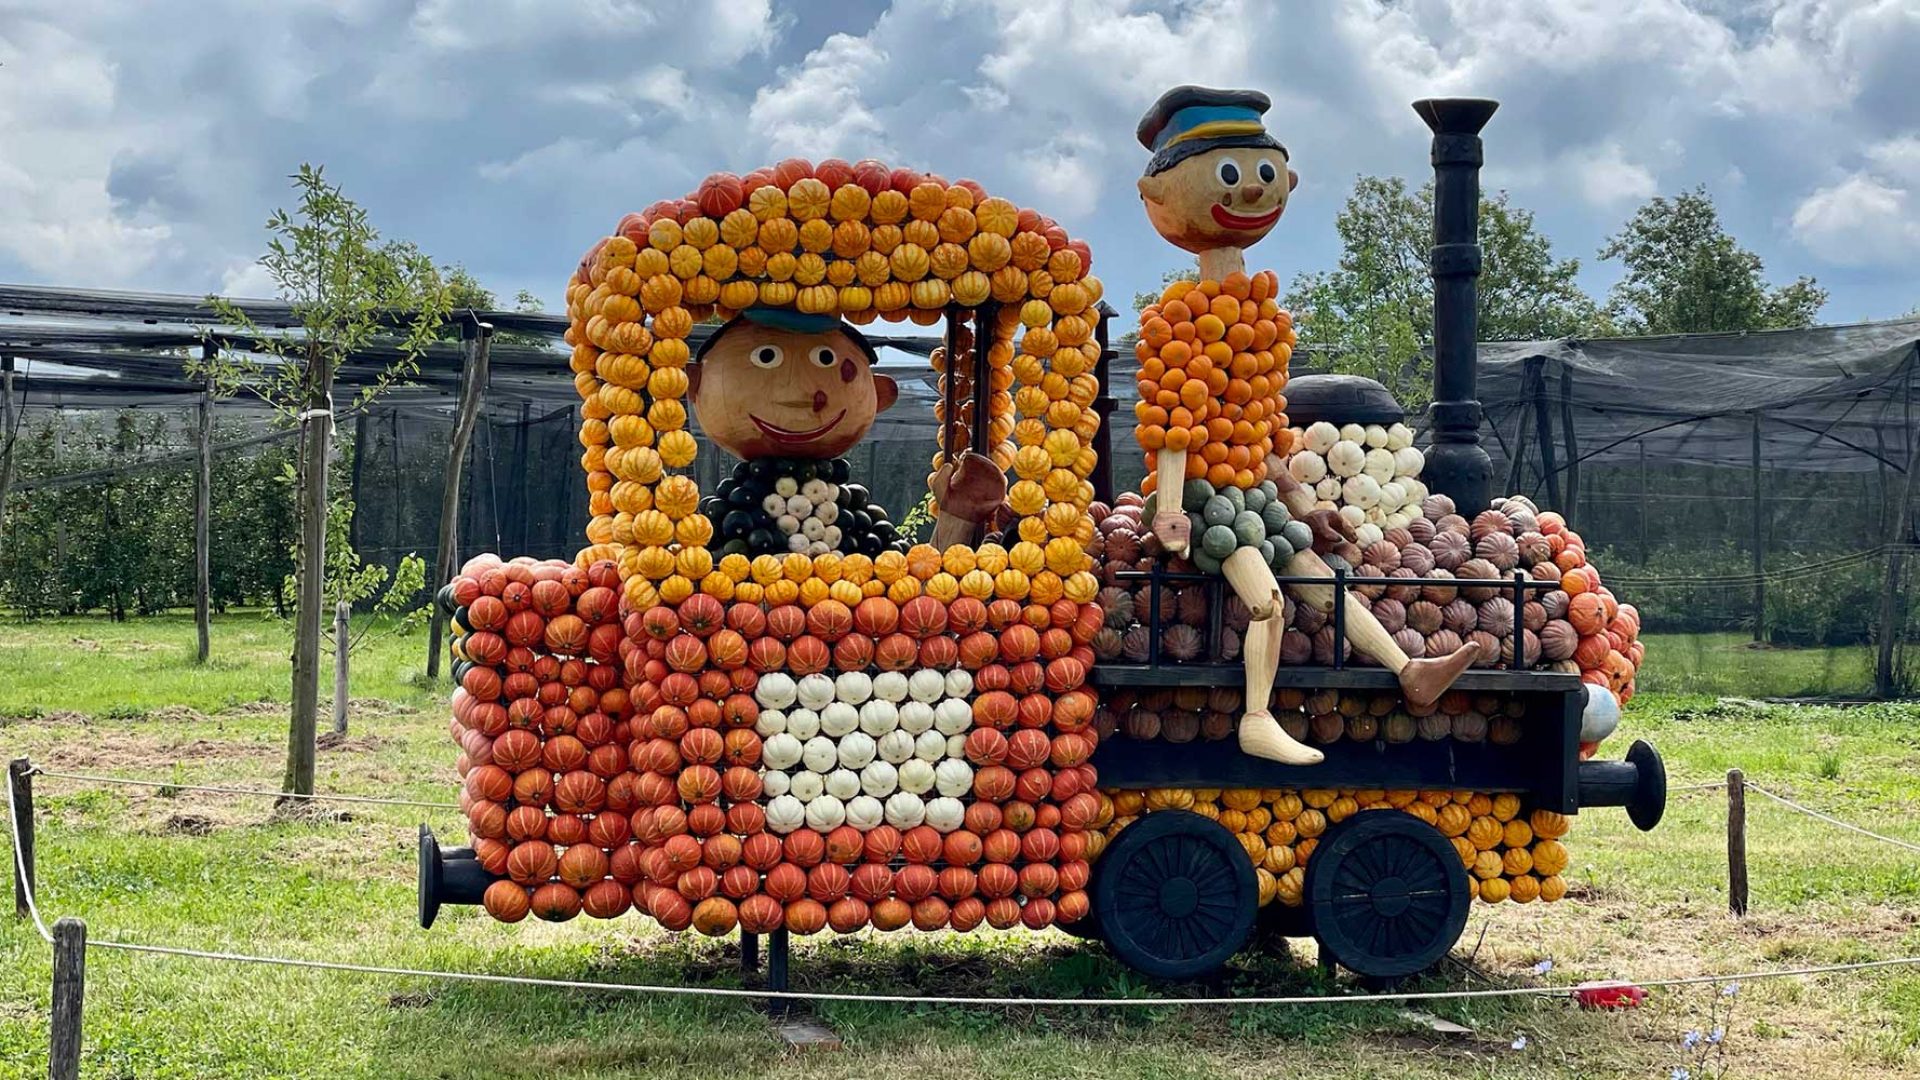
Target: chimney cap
1456	116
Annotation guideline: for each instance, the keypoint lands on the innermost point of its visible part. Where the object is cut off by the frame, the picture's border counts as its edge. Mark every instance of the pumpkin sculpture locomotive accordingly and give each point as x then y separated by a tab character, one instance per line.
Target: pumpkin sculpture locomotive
762	708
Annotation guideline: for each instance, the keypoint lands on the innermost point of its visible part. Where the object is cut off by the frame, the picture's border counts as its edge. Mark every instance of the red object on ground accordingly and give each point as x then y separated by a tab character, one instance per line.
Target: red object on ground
1608	995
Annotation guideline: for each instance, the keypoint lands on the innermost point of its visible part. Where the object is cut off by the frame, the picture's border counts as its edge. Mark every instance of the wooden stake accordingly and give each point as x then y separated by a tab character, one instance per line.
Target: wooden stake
1736	842
69	996
310	596
20	782
342	638
473	384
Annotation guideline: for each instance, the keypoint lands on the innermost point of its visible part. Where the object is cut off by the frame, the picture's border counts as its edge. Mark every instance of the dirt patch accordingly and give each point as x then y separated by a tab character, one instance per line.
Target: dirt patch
57	717
84	644
351	744
263	707
189	824
176	714
146	755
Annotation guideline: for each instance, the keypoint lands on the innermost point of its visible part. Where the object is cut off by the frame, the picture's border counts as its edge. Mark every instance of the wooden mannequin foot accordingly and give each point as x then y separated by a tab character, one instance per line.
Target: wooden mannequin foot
1260	736
1423	681
1174	530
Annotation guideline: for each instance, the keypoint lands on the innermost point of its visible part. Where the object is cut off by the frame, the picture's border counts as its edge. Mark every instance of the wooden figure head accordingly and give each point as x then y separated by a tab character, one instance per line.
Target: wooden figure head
780	383
1217	179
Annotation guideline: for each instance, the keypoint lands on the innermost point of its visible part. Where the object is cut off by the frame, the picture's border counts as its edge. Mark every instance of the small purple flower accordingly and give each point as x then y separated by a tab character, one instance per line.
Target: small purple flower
1543	967
1520	1043
1692	1040
1730	989
1679	1073
1714	1037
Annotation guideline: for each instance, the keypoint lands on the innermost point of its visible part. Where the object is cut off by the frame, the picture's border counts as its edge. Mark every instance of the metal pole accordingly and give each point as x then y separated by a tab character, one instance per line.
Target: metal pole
1759	540
69	998
777	971
203	513
1456	465
20	782
749	951
1103	407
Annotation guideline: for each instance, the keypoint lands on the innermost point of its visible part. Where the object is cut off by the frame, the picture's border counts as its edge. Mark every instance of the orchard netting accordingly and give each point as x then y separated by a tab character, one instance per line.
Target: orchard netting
1750	493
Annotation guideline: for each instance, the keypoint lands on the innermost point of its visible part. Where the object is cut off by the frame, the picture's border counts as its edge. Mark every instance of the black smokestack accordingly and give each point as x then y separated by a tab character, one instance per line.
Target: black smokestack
1457	466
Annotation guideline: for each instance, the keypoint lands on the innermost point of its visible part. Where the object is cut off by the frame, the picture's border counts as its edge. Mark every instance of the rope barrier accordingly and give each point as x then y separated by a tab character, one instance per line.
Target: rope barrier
218	790
13	819
1829	819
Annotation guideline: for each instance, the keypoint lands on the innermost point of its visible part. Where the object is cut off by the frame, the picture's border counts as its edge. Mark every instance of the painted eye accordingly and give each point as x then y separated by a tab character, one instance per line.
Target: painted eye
1265	171
823	356
767	356
1228	172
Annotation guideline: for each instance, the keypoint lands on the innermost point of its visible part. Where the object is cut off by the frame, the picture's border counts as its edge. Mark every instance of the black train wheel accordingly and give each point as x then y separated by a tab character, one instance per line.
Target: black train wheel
1387	894
1174	895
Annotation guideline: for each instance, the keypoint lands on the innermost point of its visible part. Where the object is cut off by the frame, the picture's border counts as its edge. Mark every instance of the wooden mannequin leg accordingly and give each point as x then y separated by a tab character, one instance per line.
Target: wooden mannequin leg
1260	734
1169	522
1422	681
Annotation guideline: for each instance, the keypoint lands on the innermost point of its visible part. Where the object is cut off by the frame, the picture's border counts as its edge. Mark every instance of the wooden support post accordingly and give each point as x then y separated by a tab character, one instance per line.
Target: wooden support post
310	597
20	783
69	997
1736	842
203	512
342	639
476	337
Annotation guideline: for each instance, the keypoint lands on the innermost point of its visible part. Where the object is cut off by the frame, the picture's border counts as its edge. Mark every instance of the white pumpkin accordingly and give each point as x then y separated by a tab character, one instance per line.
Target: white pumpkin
930	746
957	746
864	812
927	685
807	786
838	718
775	784
1346	459
1361	491
952	716
890	686
1307	467
770	722
775	690
945	815
815	691
781	751
879	716
1328	489
826	813
1321	436
895	746
916	776
959	683
916	717
1355	516
1369	531
1393	496
786	813
1408	461
786	487
843	784
853	687
879	779
904	810
856	749
953	776
1379	465
1353	433
1376	436
820	754
1398	436
803	723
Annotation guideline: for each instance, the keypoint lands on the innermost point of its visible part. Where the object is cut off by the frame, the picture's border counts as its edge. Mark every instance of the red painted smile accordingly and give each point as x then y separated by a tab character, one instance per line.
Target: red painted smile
1230	220
780	434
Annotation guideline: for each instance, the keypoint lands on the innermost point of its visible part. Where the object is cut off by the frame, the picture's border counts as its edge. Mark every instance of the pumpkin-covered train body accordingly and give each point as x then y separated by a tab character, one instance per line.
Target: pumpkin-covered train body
764	708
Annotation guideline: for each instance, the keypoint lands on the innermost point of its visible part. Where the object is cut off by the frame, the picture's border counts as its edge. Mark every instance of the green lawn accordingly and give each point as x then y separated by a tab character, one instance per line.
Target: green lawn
221	872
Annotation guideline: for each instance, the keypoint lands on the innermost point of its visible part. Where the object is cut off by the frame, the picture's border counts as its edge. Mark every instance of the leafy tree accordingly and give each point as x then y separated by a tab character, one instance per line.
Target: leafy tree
1685	274
347	288
1373	314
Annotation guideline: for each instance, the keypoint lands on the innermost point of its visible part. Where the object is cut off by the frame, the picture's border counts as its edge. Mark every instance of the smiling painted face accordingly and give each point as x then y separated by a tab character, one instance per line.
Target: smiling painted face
1223	198
766	391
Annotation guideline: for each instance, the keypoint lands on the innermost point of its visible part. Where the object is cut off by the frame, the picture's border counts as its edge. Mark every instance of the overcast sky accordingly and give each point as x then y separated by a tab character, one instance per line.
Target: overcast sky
142	145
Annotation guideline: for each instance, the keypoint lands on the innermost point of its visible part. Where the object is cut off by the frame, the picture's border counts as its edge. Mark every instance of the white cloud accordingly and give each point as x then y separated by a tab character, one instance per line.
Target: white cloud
816	109
1872	215
1604	177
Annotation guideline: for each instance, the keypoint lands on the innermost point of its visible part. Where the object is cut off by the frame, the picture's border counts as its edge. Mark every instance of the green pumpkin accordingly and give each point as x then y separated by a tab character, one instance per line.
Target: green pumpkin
1148	508
1282	552
1298	536
1248	529
1196	526
1269	489
1236	496
1218	511
1266	551
1218	541
1257	500
1195	494
1275	516
1205	563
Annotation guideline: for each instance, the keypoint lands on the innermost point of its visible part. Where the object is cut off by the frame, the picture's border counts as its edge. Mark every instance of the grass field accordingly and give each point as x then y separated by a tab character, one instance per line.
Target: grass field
223	872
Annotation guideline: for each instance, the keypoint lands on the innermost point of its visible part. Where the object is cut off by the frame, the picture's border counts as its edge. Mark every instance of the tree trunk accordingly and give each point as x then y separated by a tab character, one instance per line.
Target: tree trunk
473	387
310	568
